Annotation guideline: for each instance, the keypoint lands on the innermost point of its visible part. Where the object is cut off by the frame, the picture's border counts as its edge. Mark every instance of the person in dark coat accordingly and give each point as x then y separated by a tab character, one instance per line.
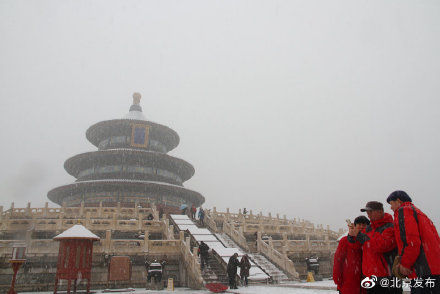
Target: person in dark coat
204	254
418	242
347	265
245	266
232	271
379	247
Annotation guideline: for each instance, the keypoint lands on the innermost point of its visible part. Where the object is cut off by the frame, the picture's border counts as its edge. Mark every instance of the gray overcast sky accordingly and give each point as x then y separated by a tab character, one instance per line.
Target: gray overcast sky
306	108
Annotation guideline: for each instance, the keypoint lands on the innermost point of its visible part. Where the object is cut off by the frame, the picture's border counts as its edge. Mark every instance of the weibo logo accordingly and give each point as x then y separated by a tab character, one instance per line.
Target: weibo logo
369	282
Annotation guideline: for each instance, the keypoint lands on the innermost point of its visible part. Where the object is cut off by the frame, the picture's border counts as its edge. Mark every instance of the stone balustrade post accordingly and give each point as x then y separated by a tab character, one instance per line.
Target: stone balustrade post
28	210
60	221
187	243
118	208
171	230
258	241
108	240
284	239
45	210
87	222
140	221
146	241
81	210
136	209
114	219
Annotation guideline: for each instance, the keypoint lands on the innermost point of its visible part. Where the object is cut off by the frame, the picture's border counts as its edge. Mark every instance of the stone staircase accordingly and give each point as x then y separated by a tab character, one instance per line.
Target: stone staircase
268	267
260	260
213	272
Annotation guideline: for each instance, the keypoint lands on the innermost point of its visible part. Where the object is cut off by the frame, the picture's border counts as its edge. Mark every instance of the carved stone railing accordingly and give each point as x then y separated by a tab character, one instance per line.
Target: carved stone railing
279	259
168	230
76	212
235	235
91	224
192	265
210	223
113	246
313	246
251	223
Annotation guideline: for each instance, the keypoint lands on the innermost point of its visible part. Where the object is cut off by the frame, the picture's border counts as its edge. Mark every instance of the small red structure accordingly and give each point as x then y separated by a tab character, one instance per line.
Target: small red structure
75	256
18	258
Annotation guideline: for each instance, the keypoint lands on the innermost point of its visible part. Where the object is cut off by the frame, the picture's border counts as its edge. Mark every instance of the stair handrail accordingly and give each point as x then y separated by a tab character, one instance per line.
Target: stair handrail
192	265
235	235
280	260
210	222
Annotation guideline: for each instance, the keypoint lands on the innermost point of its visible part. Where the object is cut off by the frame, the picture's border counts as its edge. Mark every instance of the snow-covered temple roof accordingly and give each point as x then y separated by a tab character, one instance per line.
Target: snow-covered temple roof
77	232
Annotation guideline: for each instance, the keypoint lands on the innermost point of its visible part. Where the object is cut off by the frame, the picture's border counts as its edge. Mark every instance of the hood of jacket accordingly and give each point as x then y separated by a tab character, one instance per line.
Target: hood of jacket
387	218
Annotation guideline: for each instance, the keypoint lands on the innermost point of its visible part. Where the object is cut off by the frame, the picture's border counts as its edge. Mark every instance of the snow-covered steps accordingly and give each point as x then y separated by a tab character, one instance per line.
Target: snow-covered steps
221	246
268	267
276	274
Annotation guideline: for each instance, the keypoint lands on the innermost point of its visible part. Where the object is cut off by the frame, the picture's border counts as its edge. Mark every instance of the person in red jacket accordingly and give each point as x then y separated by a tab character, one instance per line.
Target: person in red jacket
347	265
378	248
418	242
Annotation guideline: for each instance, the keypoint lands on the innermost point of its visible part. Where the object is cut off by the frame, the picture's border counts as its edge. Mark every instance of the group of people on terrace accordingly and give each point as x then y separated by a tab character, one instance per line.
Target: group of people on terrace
193	212
381	254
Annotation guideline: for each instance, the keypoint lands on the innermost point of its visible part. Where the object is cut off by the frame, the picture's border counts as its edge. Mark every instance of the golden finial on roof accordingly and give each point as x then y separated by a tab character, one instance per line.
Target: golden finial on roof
136	98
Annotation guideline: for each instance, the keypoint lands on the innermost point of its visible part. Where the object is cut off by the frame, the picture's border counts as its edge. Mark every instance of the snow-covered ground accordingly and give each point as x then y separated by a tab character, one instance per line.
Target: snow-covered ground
276	289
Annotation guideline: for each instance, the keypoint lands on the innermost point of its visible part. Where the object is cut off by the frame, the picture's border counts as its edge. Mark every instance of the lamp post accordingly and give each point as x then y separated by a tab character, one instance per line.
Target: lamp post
18	258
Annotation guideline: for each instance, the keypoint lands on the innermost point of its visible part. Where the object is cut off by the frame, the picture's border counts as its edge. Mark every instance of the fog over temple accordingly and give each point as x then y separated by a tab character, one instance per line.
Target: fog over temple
129	193
130	166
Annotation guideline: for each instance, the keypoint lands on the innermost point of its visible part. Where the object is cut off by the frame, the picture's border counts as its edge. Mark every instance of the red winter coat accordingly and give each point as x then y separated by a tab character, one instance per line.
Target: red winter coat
347	268
378	247
417	240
